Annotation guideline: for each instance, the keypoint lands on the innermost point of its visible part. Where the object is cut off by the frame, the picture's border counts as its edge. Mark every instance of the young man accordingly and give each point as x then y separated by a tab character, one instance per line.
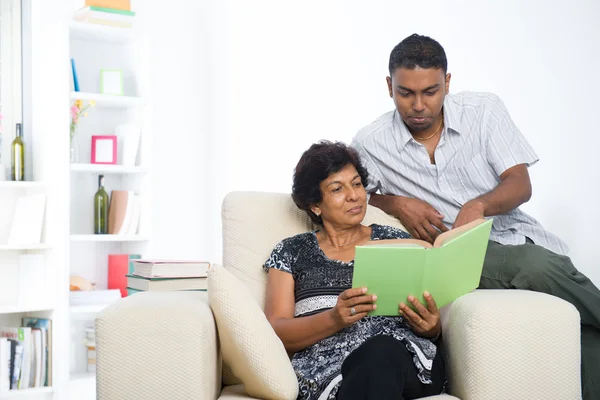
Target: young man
442	160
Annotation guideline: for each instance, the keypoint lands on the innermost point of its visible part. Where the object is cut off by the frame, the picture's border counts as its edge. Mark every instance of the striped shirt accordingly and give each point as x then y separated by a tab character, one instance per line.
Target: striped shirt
478	143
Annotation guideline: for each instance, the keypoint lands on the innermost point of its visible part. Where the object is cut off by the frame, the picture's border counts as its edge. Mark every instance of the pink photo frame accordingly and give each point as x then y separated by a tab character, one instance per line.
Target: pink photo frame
104	149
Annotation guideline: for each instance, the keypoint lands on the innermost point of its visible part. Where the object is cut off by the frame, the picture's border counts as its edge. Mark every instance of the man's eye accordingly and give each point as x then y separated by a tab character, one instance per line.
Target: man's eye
404	94
429	93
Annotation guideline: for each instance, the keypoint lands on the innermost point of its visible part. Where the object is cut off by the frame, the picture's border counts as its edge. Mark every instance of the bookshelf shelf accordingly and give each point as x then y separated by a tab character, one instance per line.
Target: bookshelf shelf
107	100
21	247
25	308
108	169
22	185
108	238
26	393
86	31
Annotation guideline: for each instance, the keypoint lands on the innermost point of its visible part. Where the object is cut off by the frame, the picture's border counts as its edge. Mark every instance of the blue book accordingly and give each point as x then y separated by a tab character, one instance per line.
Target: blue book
75	80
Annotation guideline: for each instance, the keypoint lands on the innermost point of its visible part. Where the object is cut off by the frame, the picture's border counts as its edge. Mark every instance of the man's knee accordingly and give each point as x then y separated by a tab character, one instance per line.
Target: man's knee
536	266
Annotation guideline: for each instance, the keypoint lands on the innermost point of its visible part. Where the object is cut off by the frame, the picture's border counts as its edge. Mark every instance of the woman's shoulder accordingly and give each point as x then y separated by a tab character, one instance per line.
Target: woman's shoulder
380	232
298	240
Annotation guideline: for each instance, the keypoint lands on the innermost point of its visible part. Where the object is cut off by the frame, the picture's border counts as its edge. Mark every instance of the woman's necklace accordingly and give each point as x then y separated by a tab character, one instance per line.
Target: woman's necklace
434	133
343	245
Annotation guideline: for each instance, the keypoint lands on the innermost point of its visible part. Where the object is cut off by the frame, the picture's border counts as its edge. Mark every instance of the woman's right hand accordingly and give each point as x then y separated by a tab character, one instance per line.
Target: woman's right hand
352	305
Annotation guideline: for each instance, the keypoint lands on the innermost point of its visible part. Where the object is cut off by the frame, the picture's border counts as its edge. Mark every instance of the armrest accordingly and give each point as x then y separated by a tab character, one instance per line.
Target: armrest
512	344
158	345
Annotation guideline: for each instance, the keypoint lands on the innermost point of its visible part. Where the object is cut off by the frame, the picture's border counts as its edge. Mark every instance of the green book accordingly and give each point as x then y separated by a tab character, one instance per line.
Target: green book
110	10
393	269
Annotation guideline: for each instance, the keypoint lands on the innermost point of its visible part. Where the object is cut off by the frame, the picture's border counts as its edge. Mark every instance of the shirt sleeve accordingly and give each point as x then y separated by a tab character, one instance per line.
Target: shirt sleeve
375	179
280	258
506	145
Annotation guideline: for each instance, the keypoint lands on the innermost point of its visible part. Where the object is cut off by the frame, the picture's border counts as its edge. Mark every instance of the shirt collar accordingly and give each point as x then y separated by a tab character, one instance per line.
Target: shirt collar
450	123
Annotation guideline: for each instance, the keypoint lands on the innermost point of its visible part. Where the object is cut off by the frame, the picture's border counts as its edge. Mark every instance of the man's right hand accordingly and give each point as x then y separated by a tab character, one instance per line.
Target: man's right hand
420	219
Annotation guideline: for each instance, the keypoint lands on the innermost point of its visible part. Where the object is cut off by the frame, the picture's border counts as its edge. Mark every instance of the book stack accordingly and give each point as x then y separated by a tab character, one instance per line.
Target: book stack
167	275
26	355
116	13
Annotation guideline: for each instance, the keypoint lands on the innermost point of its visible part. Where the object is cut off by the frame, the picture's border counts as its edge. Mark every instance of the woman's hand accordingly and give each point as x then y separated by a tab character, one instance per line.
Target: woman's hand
351	306
426	322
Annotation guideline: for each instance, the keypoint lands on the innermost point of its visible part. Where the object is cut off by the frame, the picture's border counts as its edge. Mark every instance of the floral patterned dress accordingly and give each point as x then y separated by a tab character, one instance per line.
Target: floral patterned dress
318	282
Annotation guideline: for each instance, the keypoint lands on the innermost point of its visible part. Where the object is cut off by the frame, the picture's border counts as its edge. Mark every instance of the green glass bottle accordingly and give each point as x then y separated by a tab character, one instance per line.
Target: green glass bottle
101	208
17	152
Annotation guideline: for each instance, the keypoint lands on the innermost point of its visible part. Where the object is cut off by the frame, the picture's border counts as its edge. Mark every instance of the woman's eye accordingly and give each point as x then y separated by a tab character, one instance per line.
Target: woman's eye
358	184
337	189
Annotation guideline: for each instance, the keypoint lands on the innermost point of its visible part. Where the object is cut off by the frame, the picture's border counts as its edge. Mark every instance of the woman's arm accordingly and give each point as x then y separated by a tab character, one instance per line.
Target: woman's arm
300	333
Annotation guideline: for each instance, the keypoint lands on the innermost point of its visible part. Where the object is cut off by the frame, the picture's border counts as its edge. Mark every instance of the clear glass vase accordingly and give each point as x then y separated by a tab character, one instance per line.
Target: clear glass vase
74	150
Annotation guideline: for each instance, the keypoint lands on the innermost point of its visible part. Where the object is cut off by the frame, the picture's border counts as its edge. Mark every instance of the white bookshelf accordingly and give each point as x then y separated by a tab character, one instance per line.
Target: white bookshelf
94	48
68	245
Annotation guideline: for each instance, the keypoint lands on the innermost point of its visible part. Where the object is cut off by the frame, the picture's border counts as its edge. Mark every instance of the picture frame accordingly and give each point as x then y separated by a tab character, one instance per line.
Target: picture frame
104	149
111	82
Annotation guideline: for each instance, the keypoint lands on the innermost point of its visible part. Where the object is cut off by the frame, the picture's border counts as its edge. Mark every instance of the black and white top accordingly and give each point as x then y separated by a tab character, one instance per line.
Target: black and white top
318	282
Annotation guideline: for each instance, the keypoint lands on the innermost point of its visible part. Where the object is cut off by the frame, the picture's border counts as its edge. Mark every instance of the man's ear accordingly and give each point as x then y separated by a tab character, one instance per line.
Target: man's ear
448	77
389	85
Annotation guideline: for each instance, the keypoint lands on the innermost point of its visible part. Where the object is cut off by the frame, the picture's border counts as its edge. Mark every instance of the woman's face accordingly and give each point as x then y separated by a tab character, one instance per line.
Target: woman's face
344	198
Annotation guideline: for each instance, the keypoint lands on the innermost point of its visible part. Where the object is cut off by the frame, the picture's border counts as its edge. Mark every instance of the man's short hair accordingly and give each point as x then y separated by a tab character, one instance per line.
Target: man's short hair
418	51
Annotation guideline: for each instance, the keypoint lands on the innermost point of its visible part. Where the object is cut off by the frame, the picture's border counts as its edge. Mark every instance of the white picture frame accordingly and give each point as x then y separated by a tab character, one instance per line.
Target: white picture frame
111	82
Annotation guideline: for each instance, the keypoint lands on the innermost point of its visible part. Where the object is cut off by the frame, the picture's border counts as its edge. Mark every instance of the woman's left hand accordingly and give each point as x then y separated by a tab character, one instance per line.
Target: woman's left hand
426	322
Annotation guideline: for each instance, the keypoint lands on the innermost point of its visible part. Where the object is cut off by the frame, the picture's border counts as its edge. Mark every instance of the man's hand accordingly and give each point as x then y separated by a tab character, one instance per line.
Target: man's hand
420	219
469	212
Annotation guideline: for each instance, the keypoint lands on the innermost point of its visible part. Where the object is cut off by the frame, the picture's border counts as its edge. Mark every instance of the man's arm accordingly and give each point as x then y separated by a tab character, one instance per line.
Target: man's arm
420	219
513	190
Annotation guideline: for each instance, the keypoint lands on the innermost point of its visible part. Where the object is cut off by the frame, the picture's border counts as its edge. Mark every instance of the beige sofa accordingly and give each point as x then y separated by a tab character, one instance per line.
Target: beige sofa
501	344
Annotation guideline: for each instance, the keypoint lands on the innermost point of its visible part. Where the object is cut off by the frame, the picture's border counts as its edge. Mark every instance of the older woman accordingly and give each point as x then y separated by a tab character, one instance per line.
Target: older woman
340	351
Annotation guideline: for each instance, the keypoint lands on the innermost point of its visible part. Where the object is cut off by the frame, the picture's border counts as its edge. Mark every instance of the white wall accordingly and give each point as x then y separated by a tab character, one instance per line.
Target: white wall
259	81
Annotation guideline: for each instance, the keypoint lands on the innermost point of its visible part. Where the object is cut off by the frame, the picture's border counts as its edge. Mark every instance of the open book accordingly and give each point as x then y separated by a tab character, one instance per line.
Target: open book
393	269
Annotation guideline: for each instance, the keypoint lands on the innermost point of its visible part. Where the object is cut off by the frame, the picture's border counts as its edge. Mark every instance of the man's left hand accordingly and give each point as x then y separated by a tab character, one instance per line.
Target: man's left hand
469	212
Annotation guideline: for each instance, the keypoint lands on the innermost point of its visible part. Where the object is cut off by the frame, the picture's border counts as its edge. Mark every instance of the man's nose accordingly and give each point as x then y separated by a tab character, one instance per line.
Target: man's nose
418	104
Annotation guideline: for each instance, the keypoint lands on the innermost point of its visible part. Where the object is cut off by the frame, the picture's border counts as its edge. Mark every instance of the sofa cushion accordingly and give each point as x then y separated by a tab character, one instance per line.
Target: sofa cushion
248	342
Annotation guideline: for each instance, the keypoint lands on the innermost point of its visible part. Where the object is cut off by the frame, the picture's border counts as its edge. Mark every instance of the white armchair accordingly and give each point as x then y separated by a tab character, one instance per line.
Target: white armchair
500	344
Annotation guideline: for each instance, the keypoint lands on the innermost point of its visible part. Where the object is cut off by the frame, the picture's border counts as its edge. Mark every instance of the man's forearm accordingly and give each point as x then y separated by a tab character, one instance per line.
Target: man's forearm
507	196
387	203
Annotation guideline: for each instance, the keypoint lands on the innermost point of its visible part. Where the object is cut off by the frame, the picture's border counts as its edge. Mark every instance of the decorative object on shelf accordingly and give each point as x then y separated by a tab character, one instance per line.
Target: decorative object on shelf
124	212
74	76
130	139
114	17
111	82
28	220
101	208
78	110
17	152
104	149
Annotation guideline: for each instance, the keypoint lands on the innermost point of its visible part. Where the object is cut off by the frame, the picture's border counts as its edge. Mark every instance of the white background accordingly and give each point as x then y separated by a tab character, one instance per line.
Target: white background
242	88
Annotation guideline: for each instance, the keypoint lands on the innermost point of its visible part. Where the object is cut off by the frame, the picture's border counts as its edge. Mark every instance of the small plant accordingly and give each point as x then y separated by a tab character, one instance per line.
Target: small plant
78	110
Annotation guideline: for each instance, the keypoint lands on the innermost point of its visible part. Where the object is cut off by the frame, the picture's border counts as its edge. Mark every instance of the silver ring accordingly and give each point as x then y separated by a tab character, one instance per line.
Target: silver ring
352	311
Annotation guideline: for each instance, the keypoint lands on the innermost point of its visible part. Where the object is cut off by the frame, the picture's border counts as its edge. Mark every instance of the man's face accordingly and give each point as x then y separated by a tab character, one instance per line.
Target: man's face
419	95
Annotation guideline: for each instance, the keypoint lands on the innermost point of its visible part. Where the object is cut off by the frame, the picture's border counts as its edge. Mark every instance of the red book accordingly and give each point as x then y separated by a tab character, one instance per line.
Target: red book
118	267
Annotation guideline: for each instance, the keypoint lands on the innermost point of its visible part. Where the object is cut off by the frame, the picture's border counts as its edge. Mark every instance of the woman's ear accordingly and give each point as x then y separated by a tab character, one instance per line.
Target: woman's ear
316	210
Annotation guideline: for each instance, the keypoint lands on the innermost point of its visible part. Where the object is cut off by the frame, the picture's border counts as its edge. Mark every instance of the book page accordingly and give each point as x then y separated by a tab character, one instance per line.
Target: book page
399	243
454	233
